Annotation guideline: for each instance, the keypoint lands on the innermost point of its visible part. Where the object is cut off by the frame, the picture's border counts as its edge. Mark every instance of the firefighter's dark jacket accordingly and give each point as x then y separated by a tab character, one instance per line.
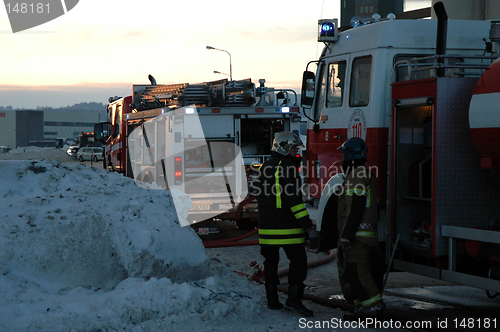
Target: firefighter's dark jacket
283	218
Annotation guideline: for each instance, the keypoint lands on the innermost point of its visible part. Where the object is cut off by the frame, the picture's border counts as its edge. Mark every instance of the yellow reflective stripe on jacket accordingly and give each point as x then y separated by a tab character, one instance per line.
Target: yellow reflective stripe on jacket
287	231
298	207
301	214
296	240
299	210
367	234
281	236
357	191
278	190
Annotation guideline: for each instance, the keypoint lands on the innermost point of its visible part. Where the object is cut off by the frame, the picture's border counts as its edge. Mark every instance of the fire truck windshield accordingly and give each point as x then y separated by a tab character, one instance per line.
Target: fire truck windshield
88	140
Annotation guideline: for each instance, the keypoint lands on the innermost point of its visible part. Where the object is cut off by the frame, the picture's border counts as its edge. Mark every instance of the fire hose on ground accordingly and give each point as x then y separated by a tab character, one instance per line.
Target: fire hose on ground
332	303
234	242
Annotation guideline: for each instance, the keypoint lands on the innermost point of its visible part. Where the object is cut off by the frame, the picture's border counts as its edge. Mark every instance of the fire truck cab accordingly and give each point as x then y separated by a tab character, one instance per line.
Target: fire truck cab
404	86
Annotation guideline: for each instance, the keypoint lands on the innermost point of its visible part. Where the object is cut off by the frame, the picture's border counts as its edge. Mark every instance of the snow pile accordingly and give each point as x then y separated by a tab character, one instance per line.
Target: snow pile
82	249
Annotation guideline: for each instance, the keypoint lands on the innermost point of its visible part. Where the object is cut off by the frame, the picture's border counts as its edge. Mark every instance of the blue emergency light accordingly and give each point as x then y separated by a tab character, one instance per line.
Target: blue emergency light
328	30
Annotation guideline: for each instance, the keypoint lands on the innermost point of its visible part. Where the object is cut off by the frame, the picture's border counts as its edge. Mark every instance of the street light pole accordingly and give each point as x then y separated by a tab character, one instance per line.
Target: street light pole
230	62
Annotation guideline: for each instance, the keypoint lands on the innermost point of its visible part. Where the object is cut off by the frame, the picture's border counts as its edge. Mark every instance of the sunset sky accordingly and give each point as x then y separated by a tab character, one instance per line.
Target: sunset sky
100	48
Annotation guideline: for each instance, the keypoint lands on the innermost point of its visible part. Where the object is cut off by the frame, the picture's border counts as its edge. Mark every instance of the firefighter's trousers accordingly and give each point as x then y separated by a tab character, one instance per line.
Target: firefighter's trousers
363	273
296	253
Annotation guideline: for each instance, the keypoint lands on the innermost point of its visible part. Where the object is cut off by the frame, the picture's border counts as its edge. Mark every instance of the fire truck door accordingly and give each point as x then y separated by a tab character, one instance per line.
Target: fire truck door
212	157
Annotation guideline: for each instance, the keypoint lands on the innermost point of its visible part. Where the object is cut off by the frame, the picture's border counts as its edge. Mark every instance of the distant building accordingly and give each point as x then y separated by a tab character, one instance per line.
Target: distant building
412	9
366	8
19	127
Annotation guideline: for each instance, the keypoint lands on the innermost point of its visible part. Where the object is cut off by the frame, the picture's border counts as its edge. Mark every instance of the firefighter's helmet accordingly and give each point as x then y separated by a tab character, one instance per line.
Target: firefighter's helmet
354	148
284	141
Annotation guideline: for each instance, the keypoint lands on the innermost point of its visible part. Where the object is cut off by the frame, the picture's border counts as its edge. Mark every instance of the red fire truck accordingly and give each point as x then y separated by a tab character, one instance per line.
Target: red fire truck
206	140
406	87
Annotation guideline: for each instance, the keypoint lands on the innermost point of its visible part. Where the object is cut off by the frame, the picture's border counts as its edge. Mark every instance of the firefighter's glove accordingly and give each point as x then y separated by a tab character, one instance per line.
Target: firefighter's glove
345	244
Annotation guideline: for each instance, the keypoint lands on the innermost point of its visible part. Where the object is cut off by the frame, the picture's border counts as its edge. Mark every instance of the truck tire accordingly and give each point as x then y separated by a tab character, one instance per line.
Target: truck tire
328	236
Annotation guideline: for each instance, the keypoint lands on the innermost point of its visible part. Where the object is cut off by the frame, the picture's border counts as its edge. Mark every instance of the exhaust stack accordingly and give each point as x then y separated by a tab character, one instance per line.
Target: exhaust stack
442	31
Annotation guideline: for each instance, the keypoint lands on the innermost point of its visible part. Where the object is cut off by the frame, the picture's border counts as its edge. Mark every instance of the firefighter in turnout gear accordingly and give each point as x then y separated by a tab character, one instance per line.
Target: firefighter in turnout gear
361	266
283	221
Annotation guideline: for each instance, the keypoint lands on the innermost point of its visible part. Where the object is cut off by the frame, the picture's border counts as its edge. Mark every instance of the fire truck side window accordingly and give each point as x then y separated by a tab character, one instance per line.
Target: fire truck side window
359	92
320	102
336	80
117	119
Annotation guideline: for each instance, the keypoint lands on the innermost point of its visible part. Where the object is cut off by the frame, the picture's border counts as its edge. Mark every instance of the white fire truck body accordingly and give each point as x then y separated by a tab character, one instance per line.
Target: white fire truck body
207	147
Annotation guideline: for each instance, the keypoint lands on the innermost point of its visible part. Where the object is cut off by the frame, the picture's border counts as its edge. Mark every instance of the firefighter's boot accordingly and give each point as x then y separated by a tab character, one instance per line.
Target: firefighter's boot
360	312
375	309
294	301
273	301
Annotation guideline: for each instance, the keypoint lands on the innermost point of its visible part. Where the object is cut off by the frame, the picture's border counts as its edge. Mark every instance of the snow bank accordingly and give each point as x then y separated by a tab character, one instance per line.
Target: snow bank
85	250
86	227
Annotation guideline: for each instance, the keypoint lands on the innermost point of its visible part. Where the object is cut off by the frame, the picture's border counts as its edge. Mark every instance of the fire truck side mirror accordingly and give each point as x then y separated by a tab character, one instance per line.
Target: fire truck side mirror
101	131
307	93
316	128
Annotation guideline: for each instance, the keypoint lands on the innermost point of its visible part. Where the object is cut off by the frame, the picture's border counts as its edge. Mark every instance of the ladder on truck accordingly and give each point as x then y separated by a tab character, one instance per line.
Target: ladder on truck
221	93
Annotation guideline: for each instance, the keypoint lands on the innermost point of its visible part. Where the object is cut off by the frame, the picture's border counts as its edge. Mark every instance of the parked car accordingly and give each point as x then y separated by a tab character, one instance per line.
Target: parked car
90	153
4	149
73	150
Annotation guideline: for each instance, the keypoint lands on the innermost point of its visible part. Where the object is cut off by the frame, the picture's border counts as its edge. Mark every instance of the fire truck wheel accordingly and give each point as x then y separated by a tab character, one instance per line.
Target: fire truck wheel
328	236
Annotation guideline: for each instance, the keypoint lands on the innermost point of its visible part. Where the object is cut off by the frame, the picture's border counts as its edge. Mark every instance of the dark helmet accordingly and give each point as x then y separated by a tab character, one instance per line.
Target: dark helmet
284	141
354	149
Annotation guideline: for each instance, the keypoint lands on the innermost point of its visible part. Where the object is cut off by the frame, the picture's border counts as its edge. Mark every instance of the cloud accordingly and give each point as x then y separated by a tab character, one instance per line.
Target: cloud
279	34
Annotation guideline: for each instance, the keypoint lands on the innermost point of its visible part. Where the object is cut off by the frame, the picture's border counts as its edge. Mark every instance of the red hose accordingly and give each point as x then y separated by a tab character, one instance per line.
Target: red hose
332	303
217	244
244	236
310	265
232	241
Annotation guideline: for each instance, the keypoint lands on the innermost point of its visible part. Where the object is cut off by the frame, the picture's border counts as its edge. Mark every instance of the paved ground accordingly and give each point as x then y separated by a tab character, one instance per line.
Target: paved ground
321	280
425	304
